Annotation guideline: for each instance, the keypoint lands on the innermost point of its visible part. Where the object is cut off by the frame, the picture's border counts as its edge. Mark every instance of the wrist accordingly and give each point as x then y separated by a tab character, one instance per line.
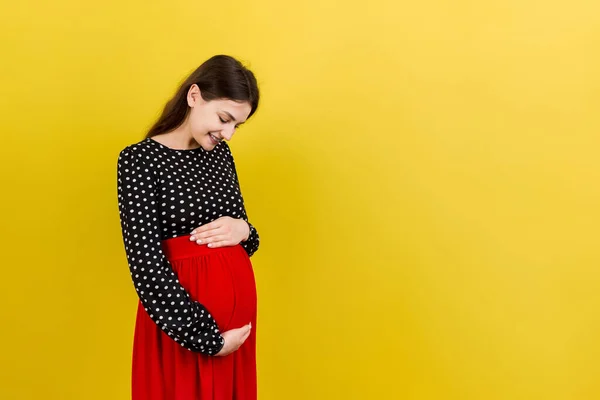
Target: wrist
248	234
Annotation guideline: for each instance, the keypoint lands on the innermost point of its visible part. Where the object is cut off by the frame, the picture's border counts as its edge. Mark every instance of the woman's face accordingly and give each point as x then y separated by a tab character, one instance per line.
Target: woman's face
215	120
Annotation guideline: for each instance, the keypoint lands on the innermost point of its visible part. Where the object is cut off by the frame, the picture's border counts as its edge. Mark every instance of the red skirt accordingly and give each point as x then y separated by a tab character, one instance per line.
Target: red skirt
222	279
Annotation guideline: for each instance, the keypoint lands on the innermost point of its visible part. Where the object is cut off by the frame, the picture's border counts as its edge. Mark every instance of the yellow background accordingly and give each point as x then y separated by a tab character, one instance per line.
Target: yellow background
423	174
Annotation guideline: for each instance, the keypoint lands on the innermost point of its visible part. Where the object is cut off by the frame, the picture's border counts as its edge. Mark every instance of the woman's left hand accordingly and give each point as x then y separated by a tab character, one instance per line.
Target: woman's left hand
224	231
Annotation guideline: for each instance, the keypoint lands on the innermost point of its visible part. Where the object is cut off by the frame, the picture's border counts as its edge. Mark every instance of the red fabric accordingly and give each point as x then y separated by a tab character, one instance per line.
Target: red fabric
222	280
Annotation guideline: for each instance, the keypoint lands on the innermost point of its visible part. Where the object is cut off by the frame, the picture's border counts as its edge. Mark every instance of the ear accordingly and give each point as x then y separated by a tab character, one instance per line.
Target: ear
193	95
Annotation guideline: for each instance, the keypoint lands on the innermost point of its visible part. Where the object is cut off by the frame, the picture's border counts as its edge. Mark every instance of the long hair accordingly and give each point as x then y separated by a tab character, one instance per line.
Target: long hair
219	77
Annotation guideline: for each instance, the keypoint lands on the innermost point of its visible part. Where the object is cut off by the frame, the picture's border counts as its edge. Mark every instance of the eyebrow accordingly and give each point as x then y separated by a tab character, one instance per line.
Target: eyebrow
231	116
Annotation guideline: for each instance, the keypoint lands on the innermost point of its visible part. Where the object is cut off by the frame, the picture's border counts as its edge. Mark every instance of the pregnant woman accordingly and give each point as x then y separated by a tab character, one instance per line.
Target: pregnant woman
188	243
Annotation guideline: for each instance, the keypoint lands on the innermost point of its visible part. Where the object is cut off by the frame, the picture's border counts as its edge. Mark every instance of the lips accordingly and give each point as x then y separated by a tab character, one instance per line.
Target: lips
213	138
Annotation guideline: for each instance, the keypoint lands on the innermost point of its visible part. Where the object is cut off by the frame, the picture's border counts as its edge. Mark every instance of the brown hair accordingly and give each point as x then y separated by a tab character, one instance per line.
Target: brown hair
219	77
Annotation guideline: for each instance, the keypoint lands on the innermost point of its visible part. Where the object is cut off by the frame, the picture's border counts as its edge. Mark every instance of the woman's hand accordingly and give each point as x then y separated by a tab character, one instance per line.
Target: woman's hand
224	231
234	338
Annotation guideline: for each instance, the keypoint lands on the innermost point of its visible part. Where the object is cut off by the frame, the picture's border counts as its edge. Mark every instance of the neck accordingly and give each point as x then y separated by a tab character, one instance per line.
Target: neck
180	138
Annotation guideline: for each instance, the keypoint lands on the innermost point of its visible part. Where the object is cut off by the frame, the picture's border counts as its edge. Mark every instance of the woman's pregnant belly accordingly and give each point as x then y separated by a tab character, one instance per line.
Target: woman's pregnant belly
221	279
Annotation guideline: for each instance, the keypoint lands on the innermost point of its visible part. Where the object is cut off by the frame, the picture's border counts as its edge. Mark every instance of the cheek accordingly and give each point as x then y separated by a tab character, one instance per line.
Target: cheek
197	124
200	124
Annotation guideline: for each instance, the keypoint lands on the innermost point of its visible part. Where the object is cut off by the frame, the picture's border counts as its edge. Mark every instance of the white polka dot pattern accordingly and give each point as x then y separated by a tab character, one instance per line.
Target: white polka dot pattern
165	193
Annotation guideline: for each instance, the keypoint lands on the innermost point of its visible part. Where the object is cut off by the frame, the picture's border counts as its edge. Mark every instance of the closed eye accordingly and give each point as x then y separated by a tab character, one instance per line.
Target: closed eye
225	122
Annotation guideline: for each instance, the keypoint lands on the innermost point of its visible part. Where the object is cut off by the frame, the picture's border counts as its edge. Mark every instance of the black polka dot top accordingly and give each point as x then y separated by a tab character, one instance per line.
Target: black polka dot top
164	193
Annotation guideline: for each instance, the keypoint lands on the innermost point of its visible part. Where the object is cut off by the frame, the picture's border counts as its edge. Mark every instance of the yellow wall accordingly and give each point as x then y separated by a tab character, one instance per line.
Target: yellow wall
424	176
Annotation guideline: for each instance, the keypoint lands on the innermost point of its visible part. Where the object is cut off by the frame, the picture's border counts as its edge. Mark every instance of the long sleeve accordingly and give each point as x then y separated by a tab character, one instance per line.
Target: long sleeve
252	243
166	301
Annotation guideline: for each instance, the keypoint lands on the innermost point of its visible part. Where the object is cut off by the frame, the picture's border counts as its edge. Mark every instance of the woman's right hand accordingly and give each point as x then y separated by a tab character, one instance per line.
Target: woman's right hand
234	338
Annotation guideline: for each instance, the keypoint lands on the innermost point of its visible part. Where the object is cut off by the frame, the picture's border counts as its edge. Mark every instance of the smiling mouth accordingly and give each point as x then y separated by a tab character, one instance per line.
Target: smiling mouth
214	139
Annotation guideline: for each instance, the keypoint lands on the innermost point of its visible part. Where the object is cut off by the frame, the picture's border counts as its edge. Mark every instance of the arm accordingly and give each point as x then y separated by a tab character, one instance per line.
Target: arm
252	243
164	299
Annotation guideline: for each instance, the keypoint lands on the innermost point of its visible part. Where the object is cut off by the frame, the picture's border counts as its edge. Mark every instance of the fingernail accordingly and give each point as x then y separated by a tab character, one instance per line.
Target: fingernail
192	238
209	245
194	231
199	241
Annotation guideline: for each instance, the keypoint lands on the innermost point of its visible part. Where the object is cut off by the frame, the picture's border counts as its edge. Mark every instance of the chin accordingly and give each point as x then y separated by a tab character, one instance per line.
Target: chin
208	144
203	142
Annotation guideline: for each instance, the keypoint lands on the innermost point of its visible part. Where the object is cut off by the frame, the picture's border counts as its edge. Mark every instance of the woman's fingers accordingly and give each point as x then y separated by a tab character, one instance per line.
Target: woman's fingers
246	335
212	225
218	223
204	236
215	241
219	233
234	338
221	243
208	229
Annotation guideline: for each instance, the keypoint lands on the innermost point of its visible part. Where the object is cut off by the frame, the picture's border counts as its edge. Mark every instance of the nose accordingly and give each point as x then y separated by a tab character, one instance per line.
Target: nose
228	133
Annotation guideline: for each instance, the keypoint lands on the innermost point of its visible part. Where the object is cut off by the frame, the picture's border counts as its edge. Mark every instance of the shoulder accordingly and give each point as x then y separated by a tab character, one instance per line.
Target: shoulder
138	159
137	152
